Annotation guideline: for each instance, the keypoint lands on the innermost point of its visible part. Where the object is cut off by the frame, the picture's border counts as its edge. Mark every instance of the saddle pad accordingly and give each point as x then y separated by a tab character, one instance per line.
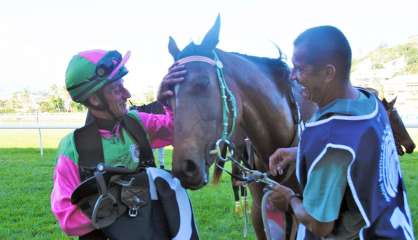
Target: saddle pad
274	220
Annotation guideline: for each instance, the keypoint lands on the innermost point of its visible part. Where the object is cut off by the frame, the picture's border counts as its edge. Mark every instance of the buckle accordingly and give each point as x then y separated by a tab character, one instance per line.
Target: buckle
133	212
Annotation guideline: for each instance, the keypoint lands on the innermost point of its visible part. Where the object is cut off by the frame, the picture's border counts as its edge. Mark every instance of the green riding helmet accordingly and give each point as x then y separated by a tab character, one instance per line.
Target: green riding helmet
89	71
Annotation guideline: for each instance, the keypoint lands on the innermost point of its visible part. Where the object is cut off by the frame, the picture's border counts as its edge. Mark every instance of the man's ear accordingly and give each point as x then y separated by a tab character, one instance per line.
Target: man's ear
330	72
94	100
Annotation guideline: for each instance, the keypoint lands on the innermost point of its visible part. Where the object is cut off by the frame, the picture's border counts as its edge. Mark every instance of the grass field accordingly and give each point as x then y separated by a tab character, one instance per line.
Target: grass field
26	180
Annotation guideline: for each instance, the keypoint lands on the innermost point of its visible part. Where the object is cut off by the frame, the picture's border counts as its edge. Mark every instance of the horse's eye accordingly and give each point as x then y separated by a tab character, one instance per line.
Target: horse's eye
201	84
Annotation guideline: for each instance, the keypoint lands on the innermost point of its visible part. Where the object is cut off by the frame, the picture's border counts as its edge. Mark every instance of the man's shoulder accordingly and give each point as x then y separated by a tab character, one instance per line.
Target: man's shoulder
66	141
135	115
67	147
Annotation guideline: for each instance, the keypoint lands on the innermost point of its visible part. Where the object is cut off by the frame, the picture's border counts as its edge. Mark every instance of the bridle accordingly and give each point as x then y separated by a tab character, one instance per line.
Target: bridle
224	148
229	107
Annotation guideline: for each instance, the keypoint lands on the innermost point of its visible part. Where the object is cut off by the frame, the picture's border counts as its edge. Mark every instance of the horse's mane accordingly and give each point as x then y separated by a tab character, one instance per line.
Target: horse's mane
271	64
264	61
276	68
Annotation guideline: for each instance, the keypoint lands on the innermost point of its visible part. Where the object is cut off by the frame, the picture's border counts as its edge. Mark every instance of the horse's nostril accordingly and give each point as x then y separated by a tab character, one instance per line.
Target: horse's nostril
190	168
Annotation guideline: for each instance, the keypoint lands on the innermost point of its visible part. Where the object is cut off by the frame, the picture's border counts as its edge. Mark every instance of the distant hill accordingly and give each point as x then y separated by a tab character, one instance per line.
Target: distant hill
393	71
379	58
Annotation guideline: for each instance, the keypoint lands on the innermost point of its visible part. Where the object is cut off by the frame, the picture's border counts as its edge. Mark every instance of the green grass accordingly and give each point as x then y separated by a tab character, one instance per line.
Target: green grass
26	182
25	186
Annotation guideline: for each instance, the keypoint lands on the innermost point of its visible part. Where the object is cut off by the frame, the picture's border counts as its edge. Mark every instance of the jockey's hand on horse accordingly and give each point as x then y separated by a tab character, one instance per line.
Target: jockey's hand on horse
175	75
280	159
281	196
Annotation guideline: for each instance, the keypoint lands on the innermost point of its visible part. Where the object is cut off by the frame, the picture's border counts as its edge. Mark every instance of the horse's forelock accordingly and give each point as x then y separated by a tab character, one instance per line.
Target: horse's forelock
195	50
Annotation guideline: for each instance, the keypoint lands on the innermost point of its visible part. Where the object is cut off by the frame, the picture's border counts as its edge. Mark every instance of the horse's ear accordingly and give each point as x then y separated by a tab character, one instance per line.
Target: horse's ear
392	103
385	103
172	48
212	37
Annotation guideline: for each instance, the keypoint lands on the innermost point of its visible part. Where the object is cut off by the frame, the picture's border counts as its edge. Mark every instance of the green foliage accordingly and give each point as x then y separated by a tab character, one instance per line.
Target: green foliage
384	54
77	107
6	107
52	104
377	66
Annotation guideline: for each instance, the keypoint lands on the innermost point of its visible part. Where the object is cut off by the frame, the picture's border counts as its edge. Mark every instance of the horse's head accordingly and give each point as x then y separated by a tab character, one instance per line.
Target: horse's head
400	133
197	110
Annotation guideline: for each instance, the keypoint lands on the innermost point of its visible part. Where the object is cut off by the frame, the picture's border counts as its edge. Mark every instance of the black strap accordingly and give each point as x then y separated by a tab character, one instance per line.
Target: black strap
137	132
95	235
88	143
90	150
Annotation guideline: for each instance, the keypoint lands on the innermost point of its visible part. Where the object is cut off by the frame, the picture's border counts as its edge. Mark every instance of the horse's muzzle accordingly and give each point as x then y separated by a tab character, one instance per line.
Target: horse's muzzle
191	175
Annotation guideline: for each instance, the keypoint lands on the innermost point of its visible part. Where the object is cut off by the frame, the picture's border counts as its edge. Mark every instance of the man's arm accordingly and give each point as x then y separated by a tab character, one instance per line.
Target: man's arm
70	218
322	195
316	227
283	197
159	127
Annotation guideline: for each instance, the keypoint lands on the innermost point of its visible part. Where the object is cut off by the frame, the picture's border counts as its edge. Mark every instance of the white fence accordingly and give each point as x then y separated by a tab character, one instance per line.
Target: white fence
67	121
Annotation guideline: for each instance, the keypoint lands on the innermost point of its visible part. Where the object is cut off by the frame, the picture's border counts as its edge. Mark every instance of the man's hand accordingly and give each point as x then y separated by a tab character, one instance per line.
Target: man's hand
280	159
281	196
175	75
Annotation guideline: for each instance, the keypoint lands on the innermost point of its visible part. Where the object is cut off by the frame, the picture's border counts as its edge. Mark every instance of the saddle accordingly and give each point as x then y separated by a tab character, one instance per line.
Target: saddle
110	193
106	193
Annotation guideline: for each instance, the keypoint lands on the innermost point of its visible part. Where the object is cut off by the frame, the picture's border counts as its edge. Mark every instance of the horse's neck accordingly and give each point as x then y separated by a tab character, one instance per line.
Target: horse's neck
266	115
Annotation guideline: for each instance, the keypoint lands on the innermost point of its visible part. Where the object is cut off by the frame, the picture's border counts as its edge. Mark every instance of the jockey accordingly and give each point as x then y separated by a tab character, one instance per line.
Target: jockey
117	139
346	161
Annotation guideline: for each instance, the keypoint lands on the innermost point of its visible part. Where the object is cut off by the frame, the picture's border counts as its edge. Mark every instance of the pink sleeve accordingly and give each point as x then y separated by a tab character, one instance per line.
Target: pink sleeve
66	179
159	127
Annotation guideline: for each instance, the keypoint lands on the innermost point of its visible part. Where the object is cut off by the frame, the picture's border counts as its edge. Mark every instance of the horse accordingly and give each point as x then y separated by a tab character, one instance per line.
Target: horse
263	108
403	140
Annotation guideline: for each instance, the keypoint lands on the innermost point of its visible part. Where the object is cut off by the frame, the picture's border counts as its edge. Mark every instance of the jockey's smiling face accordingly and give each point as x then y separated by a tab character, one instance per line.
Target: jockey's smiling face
116	96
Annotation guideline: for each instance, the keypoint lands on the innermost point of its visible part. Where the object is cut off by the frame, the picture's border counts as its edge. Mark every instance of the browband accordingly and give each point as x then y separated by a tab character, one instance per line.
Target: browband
196	59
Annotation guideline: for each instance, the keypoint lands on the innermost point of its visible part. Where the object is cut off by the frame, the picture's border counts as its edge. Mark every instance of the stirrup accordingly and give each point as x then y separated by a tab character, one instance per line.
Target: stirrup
101	223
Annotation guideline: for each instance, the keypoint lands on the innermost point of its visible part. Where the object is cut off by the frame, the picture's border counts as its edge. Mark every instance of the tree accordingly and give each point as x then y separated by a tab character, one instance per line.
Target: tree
5	107
77	107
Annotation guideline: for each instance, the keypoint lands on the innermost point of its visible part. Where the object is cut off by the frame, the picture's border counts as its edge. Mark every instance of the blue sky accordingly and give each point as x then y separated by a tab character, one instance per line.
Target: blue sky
38	38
